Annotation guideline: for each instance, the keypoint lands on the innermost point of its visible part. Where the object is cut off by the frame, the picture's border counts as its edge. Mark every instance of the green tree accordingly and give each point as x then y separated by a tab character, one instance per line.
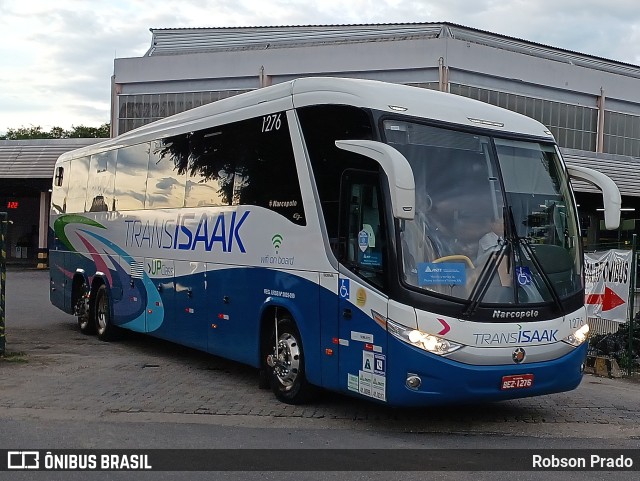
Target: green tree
83	132
57	133
36	132
25	133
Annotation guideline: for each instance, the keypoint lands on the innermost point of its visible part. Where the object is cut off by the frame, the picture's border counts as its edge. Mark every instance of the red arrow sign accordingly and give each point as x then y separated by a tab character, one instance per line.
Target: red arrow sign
446	326
609	300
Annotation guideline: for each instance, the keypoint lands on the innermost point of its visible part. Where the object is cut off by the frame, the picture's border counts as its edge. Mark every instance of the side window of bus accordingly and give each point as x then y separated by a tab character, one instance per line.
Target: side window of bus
321	126
250	162
211	166
131	177
362	221
78	176
102	173
265	170
167	175
60	188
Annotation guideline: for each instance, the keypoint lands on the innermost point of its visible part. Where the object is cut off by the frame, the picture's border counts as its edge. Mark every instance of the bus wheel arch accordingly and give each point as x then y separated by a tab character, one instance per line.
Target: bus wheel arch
285	359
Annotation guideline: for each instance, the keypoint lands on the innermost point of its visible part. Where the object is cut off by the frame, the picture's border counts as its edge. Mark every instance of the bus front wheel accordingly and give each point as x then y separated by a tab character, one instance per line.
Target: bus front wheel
288	380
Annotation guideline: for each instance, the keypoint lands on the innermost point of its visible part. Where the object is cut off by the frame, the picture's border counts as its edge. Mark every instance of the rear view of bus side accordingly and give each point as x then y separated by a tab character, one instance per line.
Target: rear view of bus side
397	244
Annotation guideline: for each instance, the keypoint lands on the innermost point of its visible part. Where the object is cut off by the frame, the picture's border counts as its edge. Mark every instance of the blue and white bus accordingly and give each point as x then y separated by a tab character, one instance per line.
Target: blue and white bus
393	243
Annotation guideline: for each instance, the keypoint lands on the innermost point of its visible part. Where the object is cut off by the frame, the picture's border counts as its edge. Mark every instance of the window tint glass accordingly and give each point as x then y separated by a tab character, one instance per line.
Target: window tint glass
265	171
166	180
322	125
131	177
60	189
102	172
245	163
365	231
210	168
79	172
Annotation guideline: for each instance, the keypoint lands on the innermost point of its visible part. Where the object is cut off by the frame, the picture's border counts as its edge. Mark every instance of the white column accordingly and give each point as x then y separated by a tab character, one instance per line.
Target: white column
43	230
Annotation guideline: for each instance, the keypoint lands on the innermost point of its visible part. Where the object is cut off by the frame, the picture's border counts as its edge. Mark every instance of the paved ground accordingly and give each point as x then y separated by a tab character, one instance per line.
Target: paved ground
63	374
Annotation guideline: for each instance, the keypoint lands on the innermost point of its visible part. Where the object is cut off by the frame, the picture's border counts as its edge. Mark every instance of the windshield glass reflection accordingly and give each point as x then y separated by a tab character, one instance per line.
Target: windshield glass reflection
476	240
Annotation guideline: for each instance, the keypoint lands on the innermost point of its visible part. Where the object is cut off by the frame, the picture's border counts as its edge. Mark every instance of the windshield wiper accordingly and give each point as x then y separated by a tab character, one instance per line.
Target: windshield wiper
536	263
534	259
510	240
486	275
490	267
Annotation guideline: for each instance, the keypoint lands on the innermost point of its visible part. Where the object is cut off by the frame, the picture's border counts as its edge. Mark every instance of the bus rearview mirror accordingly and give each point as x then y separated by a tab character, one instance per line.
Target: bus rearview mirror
396	167
610	193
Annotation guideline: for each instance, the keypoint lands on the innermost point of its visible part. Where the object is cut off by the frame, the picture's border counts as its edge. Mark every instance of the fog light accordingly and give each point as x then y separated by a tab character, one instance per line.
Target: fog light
413	381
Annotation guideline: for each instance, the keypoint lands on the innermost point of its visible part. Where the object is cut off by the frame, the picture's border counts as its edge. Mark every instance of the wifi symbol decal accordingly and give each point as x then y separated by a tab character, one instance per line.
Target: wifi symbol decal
277	241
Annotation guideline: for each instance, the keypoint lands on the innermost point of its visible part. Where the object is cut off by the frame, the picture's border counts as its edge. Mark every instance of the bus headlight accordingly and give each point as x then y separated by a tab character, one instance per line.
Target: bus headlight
423	340
578	337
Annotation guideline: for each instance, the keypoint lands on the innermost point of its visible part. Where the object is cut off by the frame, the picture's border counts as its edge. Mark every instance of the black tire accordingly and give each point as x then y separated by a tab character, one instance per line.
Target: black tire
288	380
82	310
264	379
264	371
101	315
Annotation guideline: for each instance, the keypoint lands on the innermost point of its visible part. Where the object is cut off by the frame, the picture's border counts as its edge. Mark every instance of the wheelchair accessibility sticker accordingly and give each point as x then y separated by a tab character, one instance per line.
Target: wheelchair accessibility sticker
344	289
524	275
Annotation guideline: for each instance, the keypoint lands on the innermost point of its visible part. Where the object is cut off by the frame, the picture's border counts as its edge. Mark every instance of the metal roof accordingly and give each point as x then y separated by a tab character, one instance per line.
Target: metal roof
195	40
620	168
35	159
174	41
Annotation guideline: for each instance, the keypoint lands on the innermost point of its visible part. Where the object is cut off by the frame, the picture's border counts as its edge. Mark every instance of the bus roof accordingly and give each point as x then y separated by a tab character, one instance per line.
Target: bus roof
383	96
416	102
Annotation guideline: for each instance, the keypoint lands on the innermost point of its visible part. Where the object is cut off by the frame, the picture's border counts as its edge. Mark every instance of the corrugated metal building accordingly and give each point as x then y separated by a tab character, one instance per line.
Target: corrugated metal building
26	171
589	103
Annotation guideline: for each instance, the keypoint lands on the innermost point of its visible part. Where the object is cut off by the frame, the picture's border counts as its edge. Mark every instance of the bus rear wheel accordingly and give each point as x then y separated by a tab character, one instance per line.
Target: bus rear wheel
101	314
82	310
286	365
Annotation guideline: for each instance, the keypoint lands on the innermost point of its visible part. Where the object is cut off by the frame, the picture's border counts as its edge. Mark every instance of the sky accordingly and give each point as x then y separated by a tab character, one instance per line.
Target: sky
56	57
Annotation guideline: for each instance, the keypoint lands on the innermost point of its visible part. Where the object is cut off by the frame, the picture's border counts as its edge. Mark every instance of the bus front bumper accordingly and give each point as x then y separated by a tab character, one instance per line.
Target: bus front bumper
443	381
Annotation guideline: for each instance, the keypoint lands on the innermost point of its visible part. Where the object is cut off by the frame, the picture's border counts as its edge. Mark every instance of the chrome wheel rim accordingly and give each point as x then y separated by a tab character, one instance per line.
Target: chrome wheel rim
101	311
83	309
288	363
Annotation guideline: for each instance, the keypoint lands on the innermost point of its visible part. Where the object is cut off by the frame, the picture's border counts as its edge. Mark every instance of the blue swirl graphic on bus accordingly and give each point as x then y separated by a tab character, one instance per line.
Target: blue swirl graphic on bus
154	314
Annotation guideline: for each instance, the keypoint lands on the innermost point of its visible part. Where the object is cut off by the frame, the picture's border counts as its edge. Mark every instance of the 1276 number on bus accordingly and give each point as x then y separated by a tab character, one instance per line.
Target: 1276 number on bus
271	122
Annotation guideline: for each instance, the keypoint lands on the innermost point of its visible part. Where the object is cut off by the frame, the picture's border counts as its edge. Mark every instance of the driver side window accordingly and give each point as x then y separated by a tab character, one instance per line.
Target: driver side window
364	227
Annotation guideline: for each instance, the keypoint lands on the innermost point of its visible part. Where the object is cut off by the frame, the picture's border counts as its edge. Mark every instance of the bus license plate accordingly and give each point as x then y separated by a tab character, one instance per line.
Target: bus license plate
517	381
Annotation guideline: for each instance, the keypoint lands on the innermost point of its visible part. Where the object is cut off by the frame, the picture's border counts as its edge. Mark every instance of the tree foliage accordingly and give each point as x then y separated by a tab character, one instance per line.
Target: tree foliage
76	132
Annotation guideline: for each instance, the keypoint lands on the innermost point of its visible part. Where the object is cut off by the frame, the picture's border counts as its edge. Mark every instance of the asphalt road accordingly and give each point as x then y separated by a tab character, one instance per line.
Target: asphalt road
65	390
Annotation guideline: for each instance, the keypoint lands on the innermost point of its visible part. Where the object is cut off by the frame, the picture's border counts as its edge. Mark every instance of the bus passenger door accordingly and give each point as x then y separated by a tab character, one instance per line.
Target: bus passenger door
192	304
362	302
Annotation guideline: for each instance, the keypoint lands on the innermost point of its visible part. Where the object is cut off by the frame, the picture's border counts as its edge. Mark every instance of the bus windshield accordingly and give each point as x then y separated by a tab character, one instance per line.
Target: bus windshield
494	222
